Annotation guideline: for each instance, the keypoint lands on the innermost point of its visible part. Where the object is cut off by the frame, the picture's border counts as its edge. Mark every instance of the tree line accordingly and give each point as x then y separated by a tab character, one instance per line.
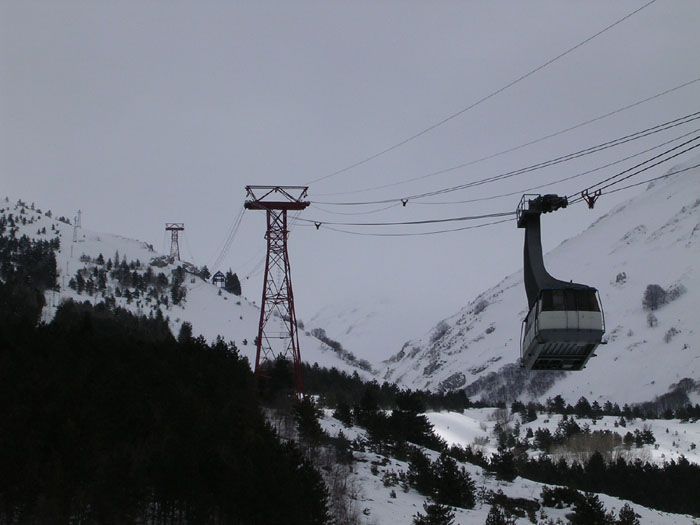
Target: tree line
108	418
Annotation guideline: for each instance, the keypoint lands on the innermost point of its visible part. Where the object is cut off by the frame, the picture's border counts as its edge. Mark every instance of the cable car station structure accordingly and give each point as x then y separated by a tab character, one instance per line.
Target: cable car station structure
277	306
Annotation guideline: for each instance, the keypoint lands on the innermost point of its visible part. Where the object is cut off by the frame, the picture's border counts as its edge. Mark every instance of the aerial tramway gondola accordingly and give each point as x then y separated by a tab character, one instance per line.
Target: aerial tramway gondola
565	323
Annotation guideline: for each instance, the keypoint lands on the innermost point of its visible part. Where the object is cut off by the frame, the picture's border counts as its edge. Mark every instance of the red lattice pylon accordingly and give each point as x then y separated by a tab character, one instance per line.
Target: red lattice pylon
277	331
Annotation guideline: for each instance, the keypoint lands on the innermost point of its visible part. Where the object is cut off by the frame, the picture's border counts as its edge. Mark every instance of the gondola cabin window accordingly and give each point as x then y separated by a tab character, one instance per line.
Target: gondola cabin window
570	300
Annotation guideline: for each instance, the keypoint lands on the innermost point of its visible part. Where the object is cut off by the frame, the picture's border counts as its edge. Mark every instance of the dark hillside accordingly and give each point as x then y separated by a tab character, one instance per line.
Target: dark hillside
108	418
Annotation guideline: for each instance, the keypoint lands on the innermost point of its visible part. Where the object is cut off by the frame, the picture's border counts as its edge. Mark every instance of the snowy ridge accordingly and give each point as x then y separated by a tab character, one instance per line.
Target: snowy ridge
653	238
211	313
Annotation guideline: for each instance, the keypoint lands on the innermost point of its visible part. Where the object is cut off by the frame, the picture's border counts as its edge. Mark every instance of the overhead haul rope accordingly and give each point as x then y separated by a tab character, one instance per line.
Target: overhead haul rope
368	212
481	100
611	181
407	223
415	234
618	177
520	146
551	162
229	239
653	179
576	201
558	181
544	185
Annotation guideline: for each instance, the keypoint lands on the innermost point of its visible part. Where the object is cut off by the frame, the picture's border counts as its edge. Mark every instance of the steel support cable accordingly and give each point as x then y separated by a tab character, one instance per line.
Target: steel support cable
228	234
558	181
367	212
544	164
410	223
615	190
225	249
257	268
503	214
482	99
229	241
617	178
415	234
254	257
559	160
520	146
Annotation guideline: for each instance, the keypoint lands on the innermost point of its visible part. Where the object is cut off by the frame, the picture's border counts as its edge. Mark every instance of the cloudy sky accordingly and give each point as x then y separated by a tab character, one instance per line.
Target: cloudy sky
145	112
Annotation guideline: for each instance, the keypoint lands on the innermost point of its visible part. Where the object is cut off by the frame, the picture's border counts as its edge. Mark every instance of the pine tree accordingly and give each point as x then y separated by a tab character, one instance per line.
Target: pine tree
79	282
627	516
420	472
306	414
185	334
343	413
503	464
435	514
589	510
654	297
453	485
496	517
231	283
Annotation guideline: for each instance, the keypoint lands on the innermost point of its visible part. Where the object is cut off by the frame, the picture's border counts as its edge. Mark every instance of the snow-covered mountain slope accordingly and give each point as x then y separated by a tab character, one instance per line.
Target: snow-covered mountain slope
211	313
380	503
369	325
653	238
475	427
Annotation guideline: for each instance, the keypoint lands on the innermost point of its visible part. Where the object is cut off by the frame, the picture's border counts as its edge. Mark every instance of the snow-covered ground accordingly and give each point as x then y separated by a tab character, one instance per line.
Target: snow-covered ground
370	327
211	313
653	238
475	427
378	507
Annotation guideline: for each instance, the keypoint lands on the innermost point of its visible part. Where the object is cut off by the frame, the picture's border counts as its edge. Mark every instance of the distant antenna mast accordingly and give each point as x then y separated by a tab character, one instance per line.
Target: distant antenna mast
174	228
277	297
77	225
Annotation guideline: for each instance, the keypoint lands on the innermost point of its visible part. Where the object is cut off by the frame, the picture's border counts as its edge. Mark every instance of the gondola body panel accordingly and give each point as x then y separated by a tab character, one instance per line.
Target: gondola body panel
561	339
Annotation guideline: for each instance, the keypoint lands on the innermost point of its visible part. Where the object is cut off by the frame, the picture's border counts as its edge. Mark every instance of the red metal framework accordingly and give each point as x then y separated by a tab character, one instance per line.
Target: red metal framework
174	228
277	331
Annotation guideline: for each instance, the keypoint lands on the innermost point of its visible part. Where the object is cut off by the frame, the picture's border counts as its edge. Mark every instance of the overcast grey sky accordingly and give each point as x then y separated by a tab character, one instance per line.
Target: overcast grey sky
145	112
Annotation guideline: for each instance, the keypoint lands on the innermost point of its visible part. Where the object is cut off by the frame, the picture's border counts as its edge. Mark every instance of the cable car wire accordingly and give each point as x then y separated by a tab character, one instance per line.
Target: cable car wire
228	234
229	240
612	180
617	178
652	179
544	164
368	212
482	99
407	223
417	234
558	181
414	234
520	146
